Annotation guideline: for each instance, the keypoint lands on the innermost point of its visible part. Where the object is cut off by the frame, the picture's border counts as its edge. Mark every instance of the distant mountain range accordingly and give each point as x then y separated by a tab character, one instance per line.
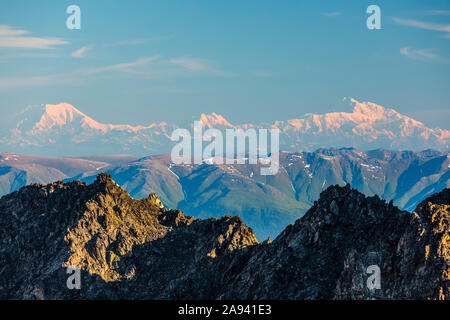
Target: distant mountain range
60	130
265	203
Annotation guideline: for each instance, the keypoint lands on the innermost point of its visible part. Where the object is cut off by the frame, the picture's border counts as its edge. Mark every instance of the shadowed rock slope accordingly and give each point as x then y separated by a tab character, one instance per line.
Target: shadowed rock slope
137	249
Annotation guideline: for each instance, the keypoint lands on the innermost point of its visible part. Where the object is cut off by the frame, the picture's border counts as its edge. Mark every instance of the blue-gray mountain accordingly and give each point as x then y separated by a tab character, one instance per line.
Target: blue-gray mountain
265	203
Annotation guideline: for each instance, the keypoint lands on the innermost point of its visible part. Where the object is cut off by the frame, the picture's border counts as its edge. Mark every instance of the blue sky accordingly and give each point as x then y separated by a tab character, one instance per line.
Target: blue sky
140	62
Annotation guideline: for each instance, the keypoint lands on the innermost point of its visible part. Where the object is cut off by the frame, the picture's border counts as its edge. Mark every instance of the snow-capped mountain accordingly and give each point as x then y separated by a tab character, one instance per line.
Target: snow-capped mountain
64	130
368	126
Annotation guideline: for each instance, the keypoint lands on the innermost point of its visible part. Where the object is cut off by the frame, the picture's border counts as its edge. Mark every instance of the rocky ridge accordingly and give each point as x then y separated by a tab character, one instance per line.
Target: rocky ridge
137	249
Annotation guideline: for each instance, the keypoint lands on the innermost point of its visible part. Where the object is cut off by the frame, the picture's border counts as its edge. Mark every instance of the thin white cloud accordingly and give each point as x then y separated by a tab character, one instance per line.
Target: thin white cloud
10	38
196	66
126	43
422	54
80	52
332	14
129	67
7	83
191	63
30	42
7	31
140	67
73	77
438	12
6	57
424	25
133	42
42	55
14	82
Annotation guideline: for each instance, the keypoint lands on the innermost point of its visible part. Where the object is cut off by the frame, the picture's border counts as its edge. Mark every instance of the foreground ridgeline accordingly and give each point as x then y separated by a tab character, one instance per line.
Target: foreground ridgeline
347	246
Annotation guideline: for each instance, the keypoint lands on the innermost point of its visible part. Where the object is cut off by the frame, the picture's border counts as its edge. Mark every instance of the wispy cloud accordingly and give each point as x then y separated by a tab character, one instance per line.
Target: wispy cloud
332	14
424	25
422	54
438	12
152	67
7	57
134	42
30	42
195	65
11	38
7	31
14	82
80	52
126	43
191	63
128	67
7	83
71	77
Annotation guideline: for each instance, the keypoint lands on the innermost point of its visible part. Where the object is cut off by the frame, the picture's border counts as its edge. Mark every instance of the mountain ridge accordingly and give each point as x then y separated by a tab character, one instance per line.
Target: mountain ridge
137	249
266	204
368	126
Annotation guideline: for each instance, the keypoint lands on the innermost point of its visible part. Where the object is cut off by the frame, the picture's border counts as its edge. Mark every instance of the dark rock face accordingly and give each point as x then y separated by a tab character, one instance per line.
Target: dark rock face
425	270
313	259
137	249
45	229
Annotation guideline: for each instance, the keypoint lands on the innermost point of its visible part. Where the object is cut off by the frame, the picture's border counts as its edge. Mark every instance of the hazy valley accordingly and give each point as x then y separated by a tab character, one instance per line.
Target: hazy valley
265	203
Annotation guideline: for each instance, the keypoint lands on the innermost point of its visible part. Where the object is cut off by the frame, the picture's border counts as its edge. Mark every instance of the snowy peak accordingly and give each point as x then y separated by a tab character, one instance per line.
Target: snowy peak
372	112
59	115
214	120
366	108
66	115
62	129
365	117
376	115
62	111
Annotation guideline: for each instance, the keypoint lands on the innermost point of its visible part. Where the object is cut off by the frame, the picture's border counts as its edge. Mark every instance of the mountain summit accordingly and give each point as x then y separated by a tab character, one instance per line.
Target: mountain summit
60	114
62	129
214	120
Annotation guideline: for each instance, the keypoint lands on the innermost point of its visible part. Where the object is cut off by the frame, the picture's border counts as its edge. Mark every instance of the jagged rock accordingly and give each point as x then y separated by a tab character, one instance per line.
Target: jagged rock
137	249
45	229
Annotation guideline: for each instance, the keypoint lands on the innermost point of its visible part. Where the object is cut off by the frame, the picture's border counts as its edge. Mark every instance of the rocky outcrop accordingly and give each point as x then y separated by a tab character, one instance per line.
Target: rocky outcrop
424	251
347	246
46	229
324	255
